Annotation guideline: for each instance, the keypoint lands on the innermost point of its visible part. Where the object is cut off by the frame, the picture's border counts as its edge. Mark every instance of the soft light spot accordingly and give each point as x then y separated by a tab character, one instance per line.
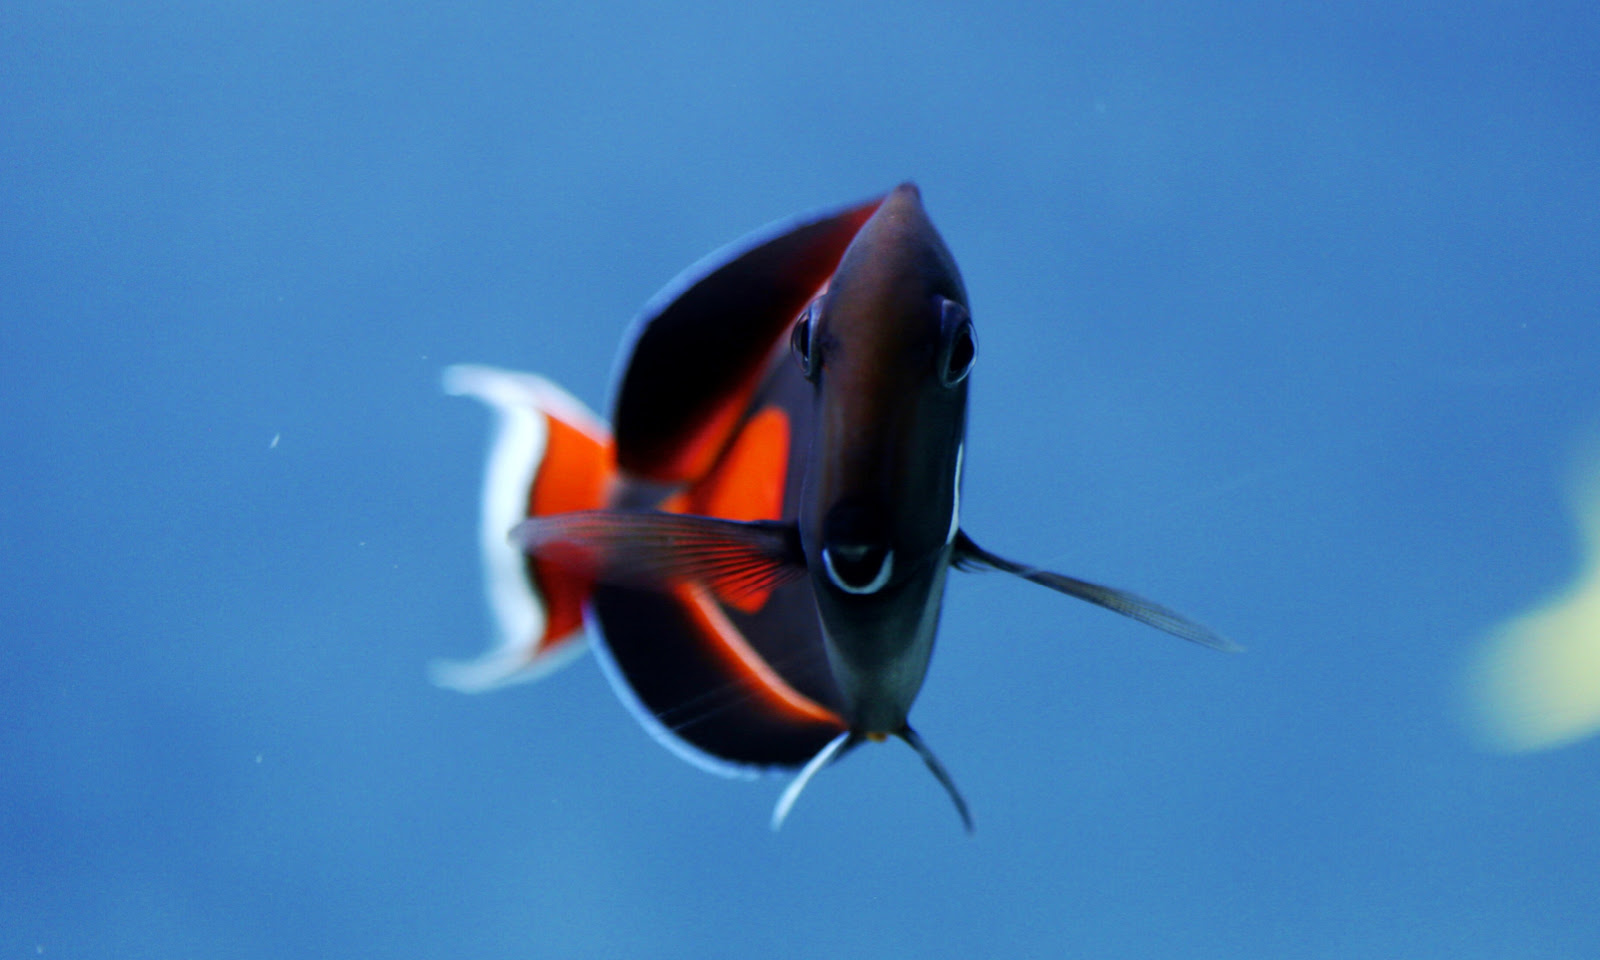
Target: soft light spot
1535	684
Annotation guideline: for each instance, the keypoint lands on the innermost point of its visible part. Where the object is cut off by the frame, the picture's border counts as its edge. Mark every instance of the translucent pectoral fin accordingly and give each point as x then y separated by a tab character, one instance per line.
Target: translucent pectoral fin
659	550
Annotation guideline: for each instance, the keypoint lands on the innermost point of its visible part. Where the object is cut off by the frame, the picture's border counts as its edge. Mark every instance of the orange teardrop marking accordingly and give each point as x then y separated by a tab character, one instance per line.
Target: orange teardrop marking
747	484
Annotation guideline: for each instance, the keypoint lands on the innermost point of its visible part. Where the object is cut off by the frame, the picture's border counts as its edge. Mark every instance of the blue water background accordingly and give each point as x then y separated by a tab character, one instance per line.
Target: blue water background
1289	317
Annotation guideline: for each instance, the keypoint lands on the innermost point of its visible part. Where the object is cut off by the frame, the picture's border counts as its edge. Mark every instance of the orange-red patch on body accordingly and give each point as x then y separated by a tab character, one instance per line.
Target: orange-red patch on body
749	480
747	484
699	450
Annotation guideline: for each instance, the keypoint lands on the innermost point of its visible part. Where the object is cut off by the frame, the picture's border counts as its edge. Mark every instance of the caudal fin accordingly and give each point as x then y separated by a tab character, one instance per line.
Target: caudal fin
550	454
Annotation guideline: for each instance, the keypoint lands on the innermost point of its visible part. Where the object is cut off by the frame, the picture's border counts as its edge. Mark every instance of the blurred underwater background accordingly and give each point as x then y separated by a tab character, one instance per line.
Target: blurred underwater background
1289	317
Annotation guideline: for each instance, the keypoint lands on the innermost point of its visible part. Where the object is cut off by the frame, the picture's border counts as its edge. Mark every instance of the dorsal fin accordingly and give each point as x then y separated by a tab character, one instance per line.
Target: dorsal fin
700	346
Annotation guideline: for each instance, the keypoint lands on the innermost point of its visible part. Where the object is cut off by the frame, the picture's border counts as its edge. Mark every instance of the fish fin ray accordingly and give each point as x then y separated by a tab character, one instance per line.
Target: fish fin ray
970	556
657	550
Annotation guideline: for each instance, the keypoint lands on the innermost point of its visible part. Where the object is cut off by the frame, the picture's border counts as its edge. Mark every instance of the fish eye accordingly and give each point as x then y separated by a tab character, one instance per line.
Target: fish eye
802	338
958	344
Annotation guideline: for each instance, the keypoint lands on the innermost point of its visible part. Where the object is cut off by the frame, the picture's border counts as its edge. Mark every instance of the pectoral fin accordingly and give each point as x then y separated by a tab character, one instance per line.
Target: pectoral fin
658	550
970	556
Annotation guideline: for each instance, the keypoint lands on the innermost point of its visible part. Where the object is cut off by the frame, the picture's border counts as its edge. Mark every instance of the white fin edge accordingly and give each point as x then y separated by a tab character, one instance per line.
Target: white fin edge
521	402
658	731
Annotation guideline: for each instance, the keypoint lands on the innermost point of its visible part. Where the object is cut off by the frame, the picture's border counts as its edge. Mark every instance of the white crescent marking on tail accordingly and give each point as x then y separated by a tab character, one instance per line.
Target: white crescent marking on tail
522	432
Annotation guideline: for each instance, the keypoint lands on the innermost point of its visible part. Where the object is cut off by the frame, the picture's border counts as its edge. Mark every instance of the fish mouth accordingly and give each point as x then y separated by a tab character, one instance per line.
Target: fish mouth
858	567
856	551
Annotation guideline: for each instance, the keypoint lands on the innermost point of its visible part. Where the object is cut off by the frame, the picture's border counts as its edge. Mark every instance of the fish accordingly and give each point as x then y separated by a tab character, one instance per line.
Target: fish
759	538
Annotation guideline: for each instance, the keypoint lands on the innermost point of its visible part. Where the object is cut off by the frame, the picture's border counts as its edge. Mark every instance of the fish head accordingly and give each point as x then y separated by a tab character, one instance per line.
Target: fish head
888	347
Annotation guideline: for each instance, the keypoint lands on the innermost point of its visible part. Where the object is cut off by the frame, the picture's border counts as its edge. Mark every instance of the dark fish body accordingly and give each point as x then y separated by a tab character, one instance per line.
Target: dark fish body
760	540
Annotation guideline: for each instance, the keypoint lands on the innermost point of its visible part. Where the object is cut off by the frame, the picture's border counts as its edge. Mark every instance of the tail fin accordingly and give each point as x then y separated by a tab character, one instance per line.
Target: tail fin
550	455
